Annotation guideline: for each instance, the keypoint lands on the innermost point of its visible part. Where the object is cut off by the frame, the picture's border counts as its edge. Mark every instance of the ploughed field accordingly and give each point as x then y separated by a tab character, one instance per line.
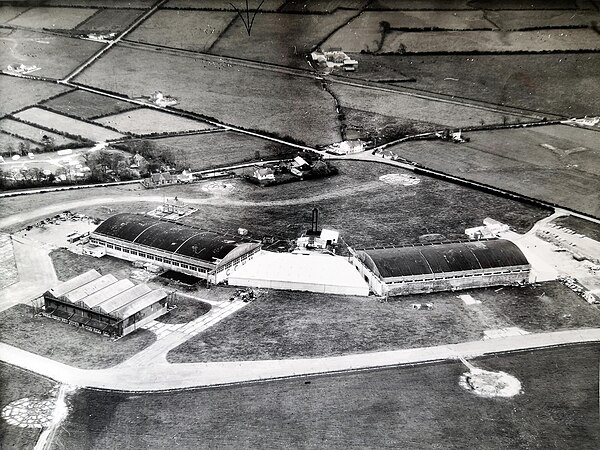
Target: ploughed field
17	93
87	105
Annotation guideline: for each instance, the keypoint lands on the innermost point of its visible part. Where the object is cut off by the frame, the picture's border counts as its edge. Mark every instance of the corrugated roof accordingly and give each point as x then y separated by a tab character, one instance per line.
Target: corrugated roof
109	291
74	283
89	288
442	258
123	298
171	237
140	303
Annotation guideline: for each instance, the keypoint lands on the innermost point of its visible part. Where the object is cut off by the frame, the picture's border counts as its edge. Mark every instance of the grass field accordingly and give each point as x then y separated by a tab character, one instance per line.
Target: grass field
557	164
531	4
102	3
10	12
31	133
186	311
110	20
18	93
6	140
224	5
282	39
516	20
206	150
195	30
56	56
68	265
322	5
491	41
67	124
419	4
409	407
581	226
52	18
147	121
563	84
245	97
87	105
16	384
66	343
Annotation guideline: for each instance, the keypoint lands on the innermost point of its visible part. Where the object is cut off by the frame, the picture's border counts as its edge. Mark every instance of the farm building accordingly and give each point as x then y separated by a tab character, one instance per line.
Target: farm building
442	266
173	246
104	304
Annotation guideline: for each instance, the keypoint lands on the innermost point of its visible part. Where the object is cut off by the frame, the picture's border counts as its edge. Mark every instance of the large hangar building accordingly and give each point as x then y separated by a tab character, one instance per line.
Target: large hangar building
173	246
436	267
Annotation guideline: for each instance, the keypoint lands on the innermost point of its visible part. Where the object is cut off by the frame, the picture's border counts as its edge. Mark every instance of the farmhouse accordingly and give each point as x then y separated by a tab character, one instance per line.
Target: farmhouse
159	179
346	147
103	304
264	174
441	267
173	246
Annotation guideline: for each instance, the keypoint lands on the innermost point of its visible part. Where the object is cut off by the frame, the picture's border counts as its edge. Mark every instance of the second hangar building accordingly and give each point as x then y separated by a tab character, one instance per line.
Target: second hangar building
451	266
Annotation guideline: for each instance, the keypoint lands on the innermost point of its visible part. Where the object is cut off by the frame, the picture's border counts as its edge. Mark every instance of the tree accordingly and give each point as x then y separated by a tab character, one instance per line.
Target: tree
24	148
48	143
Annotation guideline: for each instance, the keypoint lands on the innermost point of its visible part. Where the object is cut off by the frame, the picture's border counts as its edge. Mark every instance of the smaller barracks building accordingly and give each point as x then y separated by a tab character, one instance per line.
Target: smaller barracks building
104	304
173	246
424	268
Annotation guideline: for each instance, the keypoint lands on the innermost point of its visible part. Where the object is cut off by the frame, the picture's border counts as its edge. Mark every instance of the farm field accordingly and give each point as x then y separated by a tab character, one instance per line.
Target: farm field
7	141
16	384
516	20
410	109
555	39
282	39
148	121
223	5
207	150
322	6
365	32
289	325
87	105
195	30
31	133
562	84
390	408
67	125
260	98
420	4
10	12
102	3
556	164
110	20
65	343
52	18
532	4
56	56
17	93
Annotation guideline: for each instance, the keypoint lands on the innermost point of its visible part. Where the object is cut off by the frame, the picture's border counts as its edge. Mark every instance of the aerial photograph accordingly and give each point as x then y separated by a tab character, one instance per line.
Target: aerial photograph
299	224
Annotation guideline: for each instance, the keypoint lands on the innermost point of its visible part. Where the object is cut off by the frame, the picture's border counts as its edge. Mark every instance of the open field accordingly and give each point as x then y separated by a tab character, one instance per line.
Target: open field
391	408
150	121
224	5
103	3
6	141
10	12
195	30
16	384
581	226
283	324
322	5
32	133
18	93
532	4
247	97
563	84
419	4
68	265
56	56
554	39
67	125
110	20
66	343
87	105
187	310
516	20
206	150
408	109
282	39
557	163
52	18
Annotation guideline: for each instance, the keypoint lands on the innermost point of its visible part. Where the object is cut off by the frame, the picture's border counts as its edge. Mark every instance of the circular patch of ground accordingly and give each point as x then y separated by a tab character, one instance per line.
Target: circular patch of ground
187	310
490	384
400	179
30	412
219	187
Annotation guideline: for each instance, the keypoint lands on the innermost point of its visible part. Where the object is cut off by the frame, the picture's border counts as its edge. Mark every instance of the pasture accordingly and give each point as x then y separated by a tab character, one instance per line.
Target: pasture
56	56
102	3
281	39
52	18
67	125
519	19
555	39
110	20
557	164
322	6
400	407
224	5
148	121
419	4
7	141
87	105
195	30
17	93
31	133
10	12
233	94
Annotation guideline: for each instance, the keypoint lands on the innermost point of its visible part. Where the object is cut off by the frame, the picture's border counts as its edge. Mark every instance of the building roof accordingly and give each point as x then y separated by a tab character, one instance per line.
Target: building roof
173	237
442	258
108	292
74	283
83	291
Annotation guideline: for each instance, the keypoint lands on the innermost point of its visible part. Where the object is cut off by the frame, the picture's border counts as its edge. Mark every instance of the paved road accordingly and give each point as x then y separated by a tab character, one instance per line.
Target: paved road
164	376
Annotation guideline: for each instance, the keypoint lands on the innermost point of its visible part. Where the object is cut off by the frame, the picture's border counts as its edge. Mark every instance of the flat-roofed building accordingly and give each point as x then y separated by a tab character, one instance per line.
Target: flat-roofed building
104	304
